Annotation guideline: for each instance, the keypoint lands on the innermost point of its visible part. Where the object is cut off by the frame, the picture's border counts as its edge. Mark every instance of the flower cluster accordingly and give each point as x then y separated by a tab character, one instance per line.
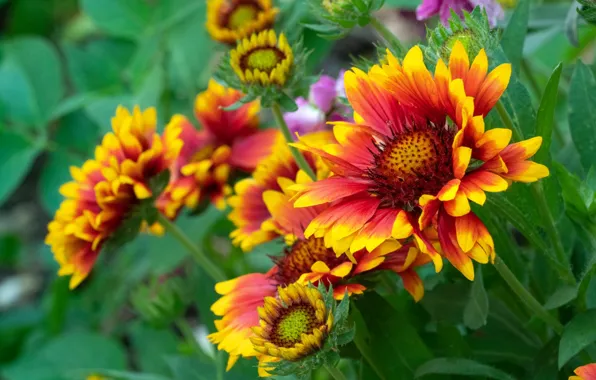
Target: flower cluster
106	189
373	174
229	141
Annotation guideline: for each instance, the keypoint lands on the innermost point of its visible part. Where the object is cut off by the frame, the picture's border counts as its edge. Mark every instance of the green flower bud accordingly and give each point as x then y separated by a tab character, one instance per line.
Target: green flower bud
161	301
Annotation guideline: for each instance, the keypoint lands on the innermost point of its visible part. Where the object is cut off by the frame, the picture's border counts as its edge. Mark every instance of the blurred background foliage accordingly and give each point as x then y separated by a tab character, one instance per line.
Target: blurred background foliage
64	67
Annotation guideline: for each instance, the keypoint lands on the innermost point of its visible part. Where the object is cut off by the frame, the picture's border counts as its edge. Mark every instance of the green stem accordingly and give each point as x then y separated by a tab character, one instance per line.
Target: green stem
389	37
525	296
335	373
543	207
300	160
210	268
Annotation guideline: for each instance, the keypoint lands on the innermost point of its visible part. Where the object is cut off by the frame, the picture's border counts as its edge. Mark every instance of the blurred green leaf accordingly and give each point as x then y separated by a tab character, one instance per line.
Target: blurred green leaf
98	65
67	353
121	18
394	342
476	310
514	36
460	366
546	115
561	297
16	157
30	90
189	368
10	247
75	139
582	114
152	347
578	334
586	293
446	302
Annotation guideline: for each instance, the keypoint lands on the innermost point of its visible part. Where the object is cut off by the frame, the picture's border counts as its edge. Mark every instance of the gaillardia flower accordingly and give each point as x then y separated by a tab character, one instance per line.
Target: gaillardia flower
586	372
292	325
305	260
231	20
416	156
229	141
262	59
107	188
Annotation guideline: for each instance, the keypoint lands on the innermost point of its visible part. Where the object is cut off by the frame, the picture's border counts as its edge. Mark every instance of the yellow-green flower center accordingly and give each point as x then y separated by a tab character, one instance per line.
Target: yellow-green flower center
242	15
264	59
294	321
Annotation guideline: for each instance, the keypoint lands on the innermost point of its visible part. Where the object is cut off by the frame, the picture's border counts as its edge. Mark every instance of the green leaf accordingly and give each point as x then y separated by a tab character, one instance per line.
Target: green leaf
70	352
459	366
189	368
546	115
561	297
586	294
124	375
578	334
476	310
30	90
97	66
514	36
134	16
394	342
75	140
582	114
16	157
577	197
151	347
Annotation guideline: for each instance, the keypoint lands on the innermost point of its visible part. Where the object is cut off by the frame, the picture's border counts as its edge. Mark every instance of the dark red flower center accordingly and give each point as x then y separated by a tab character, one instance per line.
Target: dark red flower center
412	163
300	257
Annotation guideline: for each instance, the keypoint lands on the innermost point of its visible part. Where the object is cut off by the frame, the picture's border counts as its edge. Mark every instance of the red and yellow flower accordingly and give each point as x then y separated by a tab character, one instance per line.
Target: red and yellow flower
251	213
417	153
229	141
105	189
586	372
231	20
265	206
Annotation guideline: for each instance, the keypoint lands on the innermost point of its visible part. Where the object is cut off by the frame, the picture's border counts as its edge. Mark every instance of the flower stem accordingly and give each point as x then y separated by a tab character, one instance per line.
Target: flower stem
210	268
334	372
525	296
543	207
298	156
389	37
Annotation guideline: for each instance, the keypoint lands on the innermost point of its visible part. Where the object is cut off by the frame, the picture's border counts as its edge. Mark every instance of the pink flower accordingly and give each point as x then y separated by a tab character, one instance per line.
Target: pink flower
322	106
429	8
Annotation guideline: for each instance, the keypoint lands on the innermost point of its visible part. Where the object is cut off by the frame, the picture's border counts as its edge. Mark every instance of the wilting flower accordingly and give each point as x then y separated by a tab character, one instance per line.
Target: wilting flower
262	59
416	157
231	20
586	372
322	105
229	141
107	188
429	8
292	325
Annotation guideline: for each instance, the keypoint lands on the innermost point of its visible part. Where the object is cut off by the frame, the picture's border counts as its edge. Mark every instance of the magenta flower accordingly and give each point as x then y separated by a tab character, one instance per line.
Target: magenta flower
429	8
322	106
